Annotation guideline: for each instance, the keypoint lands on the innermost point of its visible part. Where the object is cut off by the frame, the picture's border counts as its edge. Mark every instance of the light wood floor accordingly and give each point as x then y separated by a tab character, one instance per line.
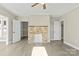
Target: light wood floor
22	48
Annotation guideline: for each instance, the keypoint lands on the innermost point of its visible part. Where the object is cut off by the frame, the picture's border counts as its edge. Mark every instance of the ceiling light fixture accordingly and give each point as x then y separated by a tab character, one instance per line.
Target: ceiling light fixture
43	4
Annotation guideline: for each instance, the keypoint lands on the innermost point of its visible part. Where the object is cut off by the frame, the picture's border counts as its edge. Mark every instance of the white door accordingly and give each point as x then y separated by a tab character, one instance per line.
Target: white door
57	30
0	29
16	31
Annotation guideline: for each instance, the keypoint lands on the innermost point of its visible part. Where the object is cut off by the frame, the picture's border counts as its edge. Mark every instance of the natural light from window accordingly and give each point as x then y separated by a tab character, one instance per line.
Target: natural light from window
39	51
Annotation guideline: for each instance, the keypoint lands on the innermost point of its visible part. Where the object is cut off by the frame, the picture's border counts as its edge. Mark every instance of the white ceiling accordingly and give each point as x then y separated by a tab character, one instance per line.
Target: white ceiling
24	9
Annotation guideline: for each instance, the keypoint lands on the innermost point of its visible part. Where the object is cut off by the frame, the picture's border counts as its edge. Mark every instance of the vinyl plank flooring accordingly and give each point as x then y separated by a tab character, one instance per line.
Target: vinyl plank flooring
22	48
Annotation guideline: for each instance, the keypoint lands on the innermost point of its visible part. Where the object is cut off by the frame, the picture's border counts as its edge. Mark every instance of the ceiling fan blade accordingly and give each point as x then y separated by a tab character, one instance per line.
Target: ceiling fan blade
44	6
35	4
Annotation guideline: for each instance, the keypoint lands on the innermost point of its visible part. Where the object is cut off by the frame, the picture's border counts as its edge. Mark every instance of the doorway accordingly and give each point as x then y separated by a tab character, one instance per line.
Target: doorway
16	31
62	30
57	30
24	30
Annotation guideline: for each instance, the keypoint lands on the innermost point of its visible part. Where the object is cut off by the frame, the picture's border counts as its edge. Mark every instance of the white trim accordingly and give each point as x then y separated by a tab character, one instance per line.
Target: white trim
2	40
71	45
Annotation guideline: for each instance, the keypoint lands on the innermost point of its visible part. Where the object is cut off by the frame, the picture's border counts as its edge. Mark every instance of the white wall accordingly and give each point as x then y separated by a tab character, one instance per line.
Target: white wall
39	20
51	28
71	28
23	18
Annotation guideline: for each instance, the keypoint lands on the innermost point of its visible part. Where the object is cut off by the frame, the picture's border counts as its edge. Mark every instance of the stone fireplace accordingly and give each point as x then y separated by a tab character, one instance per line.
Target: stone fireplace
42	30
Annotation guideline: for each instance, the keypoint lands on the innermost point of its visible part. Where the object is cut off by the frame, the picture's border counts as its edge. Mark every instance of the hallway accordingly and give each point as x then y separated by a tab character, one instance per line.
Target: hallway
22	48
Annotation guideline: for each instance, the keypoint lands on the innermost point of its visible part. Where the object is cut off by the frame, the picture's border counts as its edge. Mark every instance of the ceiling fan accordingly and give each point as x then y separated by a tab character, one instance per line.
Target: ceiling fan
43	4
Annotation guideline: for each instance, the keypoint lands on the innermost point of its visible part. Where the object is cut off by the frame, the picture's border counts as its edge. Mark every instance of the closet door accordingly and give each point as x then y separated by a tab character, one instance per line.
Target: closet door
16	31
57	30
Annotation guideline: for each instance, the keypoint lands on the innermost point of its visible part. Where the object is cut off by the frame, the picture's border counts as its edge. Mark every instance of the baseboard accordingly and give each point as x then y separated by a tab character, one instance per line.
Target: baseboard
71	45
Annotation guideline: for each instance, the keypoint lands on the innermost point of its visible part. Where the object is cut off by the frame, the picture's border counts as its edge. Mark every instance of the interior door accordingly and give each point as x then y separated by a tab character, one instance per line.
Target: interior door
57	30
16	31
0	28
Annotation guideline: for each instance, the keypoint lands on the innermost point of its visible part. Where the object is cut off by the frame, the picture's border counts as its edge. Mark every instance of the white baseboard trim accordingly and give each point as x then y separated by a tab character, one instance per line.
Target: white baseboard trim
71	45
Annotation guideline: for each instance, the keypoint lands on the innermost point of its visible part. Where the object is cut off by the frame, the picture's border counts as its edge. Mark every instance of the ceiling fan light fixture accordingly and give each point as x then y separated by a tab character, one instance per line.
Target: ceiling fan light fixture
43	4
